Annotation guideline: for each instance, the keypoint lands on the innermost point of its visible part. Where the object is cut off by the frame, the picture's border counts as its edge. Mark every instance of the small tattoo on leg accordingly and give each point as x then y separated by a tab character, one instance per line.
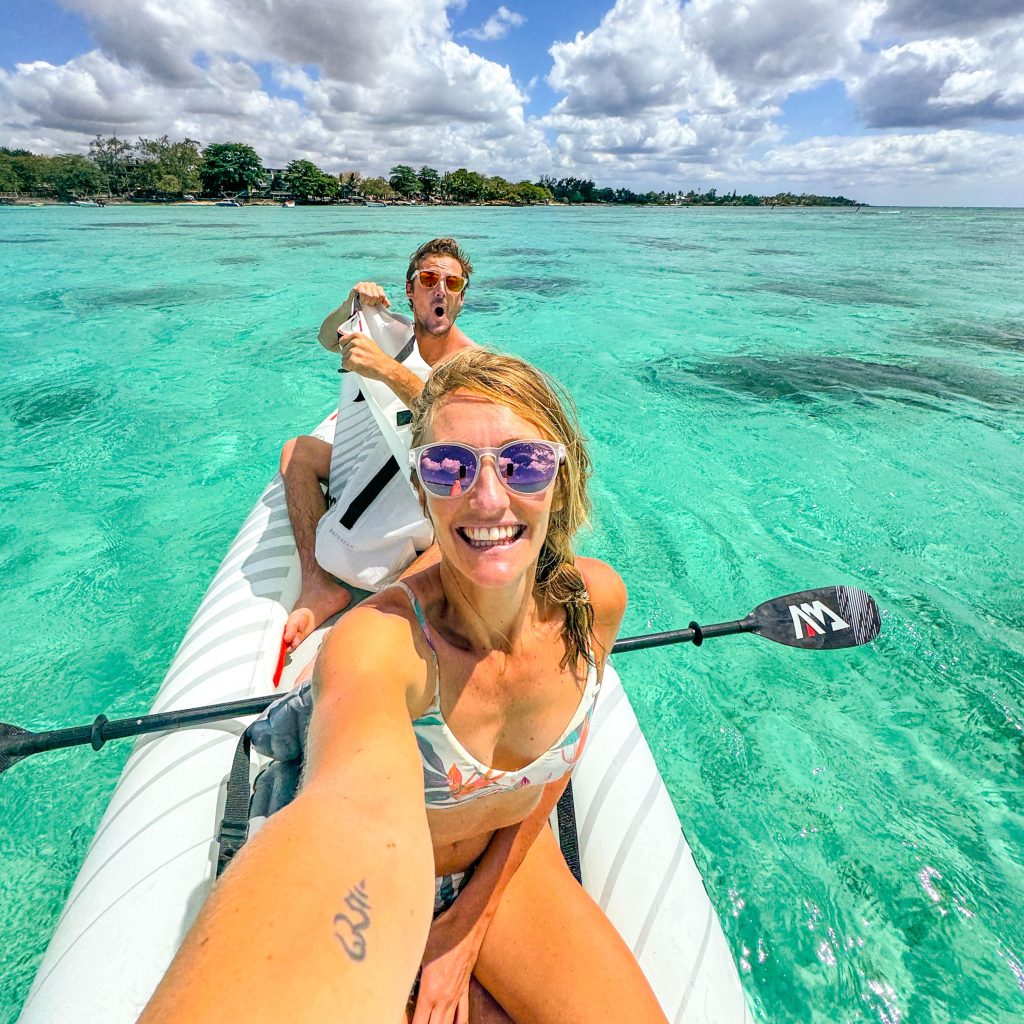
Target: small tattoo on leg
350	924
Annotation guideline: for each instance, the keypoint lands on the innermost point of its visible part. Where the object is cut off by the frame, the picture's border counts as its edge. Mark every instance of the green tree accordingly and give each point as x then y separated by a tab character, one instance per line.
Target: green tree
28	169
9	181
307	182
376	188
168	185
528	194
567	188
465	186
179	160
430	182
348	183
116	160
230	167
73	177
497	190
404	180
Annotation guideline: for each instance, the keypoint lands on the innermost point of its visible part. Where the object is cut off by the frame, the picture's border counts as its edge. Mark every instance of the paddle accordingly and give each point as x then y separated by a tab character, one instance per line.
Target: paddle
823	620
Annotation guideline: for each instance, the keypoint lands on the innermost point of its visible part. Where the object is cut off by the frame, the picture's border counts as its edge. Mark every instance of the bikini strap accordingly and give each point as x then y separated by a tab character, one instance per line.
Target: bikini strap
417	610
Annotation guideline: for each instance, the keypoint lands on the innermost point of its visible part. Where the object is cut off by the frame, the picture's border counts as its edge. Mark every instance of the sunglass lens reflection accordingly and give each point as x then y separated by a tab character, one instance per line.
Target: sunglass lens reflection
447	469
528	467
429	279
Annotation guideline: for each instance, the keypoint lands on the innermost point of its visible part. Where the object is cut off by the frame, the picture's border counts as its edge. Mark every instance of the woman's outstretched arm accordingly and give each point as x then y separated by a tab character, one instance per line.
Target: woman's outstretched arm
324	915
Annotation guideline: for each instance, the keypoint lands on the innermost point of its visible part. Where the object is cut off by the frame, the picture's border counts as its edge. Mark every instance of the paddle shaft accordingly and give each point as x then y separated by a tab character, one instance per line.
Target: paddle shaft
825	618
102	728
692	634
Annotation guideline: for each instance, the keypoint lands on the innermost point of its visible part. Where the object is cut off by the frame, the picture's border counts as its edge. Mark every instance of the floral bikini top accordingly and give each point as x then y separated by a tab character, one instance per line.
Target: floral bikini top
453	776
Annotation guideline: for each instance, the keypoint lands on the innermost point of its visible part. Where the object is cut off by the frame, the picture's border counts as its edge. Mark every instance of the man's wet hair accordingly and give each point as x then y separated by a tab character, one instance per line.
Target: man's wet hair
440	247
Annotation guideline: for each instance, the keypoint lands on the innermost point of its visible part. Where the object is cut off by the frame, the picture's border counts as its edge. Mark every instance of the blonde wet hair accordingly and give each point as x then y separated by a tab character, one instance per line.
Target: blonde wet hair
536	398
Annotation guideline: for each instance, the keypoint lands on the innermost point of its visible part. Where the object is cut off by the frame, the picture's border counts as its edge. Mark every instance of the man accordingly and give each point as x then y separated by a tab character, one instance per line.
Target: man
435	285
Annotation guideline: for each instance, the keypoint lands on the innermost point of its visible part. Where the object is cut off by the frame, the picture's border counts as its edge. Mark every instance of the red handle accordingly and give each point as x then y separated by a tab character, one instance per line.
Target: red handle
280	663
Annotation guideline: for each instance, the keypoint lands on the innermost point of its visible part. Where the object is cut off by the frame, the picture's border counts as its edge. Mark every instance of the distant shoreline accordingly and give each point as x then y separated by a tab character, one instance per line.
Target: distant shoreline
178	203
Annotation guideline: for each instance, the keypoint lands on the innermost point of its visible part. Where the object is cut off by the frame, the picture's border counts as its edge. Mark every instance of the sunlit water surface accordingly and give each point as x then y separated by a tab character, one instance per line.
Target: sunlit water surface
775	400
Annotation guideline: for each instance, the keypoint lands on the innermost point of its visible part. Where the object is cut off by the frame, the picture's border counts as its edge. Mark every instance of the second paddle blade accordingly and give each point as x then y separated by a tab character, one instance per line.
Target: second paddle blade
824	619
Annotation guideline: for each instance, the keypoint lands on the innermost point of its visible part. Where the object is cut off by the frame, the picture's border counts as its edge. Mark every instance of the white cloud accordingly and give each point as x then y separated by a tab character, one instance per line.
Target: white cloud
944	81
707	55
661	87
662	93
497	25
923	168
374	84
929	16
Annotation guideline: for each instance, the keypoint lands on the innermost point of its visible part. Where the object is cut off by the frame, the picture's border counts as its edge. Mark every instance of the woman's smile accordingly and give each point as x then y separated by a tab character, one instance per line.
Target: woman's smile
483	537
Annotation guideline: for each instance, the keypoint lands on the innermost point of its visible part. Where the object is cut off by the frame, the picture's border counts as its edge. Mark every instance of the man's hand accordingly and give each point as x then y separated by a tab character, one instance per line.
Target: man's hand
361	354
370	294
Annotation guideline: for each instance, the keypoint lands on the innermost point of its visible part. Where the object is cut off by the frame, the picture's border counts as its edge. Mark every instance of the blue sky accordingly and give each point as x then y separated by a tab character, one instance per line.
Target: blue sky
884	100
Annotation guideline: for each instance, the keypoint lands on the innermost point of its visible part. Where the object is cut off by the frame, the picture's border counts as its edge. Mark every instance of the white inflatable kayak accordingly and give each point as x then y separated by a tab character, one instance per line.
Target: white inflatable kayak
154	855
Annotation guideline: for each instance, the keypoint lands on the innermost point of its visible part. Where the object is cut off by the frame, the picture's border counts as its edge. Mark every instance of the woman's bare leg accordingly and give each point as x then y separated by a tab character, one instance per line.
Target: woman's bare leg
482	1007
551	956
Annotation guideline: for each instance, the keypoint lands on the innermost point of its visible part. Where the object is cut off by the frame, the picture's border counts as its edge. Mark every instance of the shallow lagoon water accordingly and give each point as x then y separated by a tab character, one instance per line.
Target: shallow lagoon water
776	400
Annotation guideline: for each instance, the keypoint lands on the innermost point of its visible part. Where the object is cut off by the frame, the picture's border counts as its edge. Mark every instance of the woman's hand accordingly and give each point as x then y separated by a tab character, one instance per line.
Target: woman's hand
448	962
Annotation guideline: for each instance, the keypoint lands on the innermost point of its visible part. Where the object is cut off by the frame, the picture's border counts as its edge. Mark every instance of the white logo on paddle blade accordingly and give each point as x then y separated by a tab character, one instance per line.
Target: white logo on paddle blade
813	619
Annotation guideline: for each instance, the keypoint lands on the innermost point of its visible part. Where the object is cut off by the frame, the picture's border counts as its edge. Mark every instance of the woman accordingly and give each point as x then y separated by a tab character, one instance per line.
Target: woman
490	662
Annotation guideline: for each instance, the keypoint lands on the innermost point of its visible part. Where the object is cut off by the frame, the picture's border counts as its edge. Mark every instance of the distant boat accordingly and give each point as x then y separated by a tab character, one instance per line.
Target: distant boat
228	202
372	202
83	202
288	203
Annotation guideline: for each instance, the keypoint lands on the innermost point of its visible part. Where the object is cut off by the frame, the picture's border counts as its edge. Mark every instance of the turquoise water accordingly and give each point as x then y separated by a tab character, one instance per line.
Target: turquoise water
776	400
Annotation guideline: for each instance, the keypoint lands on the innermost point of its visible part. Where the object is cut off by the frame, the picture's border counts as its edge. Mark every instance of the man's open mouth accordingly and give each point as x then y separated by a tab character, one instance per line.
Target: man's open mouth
490	536
439	311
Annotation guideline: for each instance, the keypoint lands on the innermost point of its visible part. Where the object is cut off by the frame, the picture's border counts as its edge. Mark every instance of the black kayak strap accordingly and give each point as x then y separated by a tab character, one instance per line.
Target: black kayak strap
234	827
568	838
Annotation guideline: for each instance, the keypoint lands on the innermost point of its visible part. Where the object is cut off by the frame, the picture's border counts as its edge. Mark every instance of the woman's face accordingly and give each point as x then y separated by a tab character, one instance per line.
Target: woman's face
462	524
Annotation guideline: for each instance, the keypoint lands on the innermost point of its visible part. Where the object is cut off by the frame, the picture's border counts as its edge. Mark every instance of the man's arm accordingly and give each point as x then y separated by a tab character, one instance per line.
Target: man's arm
361	354
324	915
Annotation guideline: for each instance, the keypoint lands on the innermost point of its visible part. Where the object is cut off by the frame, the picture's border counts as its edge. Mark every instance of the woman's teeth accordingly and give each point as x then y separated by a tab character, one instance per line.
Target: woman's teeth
485	536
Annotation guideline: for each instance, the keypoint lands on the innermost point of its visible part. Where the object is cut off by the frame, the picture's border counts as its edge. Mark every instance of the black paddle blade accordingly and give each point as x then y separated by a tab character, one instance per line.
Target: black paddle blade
819	620
8	733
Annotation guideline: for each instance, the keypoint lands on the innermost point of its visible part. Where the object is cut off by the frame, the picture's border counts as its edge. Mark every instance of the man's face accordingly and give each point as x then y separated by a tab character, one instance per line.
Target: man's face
435	309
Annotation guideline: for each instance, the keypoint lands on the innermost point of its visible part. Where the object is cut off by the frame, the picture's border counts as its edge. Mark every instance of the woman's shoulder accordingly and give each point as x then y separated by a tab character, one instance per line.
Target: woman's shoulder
604	585
377	640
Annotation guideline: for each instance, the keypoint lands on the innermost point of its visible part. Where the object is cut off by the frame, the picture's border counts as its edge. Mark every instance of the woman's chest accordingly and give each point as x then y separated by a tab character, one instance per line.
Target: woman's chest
506	717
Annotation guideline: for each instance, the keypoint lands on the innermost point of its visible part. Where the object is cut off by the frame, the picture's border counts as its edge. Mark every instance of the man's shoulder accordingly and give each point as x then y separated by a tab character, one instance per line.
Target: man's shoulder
457	341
